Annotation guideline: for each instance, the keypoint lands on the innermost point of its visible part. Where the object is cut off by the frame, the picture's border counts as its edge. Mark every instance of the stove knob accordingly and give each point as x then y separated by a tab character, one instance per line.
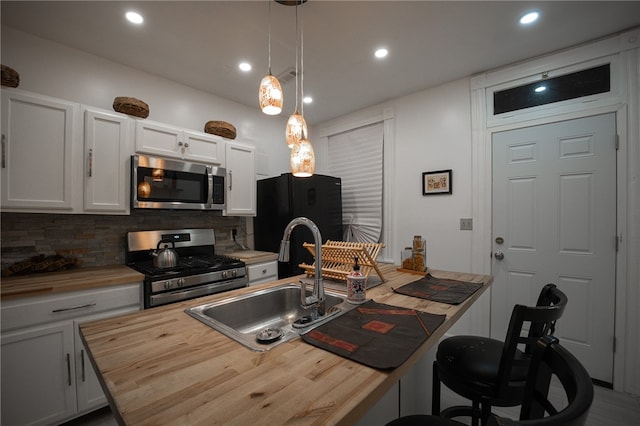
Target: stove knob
234	273
180	282
167	285
225	274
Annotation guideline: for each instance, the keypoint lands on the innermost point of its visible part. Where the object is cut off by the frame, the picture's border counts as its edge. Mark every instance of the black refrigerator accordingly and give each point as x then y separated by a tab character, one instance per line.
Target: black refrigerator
285	197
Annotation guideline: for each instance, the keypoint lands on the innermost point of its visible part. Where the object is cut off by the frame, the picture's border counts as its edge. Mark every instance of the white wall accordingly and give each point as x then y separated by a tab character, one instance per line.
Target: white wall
431	131
59	71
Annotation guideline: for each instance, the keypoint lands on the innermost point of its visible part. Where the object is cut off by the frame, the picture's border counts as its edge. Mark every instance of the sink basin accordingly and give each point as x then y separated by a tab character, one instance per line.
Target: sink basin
266	318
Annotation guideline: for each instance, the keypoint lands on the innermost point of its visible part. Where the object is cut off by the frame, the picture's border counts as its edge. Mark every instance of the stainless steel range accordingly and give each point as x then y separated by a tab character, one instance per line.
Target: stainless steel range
196	272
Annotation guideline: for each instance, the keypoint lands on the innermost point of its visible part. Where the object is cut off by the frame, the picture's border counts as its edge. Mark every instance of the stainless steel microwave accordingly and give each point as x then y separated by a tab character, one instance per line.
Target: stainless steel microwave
160	183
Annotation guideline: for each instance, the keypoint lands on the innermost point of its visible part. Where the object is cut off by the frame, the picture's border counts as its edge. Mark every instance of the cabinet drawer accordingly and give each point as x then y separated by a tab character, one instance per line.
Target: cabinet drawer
261	271
29	311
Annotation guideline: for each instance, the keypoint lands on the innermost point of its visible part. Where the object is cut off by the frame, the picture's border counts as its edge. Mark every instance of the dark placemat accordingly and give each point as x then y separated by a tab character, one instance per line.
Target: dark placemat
374	334
439	289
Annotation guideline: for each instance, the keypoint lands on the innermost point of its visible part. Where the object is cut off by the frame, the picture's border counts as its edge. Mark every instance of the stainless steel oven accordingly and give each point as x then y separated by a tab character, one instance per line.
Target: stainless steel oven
160	183
198	271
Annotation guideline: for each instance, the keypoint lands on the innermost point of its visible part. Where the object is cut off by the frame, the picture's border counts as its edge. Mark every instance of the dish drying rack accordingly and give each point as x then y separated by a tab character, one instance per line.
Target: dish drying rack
338	259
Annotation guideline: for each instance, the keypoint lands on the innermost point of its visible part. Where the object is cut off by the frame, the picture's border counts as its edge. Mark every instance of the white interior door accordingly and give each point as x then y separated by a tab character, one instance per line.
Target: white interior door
554	220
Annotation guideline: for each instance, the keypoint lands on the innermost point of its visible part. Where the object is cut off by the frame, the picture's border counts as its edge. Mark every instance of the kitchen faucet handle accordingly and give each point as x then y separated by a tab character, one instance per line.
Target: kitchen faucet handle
306	301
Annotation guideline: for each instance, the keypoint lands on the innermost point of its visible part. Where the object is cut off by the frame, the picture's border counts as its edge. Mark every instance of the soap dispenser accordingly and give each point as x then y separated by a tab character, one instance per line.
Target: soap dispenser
356	285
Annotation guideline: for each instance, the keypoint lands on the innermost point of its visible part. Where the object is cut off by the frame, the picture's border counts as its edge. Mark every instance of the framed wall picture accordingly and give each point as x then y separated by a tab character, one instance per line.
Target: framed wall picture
438	182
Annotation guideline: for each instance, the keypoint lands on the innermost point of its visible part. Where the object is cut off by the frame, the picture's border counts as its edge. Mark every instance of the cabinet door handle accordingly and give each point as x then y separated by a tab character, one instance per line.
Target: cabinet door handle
69	369
186	144
230	180
91	162
88	305
4	149
84	377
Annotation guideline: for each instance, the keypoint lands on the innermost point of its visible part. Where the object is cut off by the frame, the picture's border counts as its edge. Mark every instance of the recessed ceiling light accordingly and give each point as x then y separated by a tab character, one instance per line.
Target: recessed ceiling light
381	53
307	99
529	18
540	89
134	17
244	66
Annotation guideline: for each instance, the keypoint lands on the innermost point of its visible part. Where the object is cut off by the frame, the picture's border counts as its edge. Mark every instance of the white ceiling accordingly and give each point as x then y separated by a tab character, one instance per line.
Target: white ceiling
200	43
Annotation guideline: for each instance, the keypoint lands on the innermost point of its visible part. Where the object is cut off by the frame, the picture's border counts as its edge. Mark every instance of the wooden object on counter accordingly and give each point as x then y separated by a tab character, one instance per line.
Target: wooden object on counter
253	256
338	259
160	366
64	281
411	271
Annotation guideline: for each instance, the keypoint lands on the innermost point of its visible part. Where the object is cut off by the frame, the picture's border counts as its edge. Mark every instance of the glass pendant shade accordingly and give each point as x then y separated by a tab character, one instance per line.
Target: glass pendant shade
270	95
302	160
296	129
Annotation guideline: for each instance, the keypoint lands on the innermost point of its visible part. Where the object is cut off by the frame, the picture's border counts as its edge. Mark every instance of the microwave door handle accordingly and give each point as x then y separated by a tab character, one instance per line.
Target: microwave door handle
210	189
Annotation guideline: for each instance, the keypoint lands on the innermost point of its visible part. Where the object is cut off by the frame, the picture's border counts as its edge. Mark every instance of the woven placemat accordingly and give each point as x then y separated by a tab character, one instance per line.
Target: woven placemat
375	334
440	290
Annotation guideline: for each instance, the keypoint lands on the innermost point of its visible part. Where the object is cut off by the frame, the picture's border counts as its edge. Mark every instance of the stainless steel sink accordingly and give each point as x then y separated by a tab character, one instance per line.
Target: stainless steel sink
266	318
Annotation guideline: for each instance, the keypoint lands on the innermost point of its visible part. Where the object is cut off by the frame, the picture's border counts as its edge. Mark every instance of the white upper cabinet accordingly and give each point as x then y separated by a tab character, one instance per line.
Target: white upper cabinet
204	148
241	180
167	141
40	143
157	139
107	152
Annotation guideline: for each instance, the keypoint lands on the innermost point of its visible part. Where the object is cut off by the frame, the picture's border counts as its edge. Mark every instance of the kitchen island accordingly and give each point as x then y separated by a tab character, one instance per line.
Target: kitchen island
161	366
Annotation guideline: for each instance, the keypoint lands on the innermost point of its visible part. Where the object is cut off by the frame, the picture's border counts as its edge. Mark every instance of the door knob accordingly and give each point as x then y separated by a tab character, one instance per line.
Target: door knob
498	255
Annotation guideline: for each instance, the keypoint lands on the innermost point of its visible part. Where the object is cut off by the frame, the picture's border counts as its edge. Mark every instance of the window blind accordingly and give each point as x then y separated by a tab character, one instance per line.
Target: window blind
356	157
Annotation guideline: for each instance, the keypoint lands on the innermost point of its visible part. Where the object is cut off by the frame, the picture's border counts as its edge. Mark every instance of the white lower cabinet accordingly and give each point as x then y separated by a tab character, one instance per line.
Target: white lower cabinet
264	272
38	371
47	377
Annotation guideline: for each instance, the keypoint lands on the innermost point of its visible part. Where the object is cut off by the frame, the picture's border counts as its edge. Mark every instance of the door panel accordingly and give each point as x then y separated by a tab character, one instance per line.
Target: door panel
554	198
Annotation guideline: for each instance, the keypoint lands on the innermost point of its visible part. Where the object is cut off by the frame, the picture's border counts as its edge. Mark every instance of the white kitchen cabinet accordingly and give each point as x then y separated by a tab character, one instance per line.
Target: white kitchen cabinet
172	142
37	375
241	180
40	146
204	148
46	375
89	392
263	272
107	170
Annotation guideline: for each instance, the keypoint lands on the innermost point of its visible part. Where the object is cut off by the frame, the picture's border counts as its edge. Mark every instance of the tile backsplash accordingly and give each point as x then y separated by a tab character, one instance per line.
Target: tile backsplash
99	240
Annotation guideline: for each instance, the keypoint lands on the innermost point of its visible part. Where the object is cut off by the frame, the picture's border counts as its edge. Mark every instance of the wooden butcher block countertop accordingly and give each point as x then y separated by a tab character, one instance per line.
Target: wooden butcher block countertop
163	367
64	281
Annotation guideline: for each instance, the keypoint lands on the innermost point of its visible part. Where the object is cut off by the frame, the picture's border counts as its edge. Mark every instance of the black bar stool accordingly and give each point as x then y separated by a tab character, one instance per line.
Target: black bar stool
549	360
490	372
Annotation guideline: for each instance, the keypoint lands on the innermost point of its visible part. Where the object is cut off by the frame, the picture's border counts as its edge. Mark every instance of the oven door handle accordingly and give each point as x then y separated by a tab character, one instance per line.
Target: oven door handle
198	291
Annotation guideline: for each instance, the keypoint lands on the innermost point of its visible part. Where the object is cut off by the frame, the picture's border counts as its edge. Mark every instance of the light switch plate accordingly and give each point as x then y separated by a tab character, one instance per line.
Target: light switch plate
466	224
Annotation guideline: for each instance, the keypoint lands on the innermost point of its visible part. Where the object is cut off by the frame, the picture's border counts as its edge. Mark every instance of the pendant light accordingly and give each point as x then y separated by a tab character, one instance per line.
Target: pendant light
296	128
303	160
270	94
